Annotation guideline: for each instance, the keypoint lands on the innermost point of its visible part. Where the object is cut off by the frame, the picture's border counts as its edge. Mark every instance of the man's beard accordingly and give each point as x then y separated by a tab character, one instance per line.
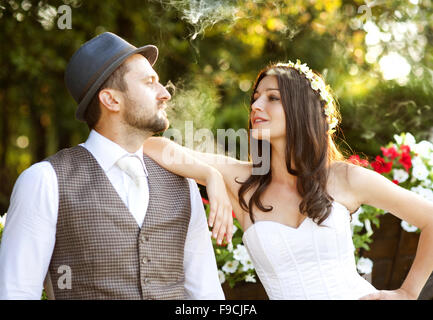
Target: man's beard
133	116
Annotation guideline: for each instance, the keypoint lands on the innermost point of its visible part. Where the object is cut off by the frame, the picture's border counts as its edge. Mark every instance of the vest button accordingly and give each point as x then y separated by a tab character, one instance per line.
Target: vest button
145	260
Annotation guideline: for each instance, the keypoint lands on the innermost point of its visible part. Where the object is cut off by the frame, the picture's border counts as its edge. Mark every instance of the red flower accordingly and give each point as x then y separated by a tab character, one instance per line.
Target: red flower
233	214
391	152
380	166
395	181
358	161
405	149
406	161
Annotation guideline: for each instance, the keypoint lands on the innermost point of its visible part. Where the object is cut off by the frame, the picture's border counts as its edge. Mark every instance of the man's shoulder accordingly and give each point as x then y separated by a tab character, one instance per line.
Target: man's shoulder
66	153
40	173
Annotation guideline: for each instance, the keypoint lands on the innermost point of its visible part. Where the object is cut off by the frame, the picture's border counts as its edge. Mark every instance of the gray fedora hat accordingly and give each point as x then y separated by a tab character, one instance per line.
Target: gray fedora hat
95	61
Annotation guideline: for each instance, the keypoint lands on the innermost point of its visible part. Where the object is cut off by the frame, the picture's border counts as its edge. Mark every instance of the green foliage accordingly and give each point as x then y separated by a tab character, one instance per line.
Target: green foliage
225	254
212	51
197	102
362	234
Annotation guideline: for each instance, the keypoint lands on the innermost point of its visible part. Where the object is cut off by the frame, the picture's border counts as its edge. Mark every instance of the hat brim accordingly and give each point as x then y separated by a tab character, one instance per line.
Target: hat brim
150	52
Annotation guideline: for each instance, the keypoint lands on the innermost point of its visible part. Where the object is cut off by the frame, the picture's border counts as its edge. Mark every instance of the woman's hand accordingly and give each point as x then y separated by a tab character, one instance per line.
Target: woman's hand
220	216
399	294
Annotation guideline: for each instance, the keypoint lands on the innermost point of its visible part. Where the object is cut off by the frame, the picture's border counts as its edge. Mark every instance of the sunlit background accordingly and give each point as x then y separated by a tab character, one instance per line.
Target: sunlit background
376	55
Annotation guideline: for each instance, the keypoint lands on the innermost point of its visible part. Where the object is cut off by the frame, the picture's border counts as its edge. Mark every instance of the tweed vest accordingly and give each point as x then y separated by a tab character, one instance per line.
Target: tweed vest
100	252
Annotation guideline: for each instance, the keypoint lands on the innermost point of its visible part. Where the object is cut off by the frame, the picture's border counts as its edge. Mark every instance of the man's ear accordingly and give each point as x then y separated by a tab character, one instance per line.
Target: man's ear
110	99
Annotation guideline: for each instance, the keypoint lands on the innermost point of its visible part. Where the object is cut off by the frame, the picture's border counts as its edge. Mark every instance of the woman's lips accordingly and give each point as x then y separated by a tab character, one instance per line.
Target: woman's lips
259	121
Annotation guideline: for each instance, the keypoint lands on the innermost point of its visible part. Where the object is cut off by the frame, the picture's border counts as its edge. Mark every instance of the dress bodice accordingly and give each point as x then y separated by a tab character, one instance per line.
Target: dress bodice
308	262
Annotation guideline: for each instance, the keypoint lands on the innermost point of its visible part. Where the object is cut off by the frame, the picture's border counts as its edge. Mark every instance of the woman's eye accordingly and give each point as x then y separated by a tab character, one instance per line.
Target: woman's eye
273	98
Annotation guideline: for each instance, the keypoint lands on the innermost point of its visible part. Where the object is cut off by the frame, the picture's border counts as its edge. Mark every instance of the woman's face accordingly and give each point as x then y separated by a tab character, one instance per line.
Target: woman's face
267	114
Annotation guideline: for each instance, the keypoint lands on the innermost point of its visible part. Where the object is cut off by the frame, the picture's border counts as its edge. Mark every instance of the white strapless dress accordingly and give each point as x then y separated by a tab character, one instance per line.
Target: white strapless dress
310	262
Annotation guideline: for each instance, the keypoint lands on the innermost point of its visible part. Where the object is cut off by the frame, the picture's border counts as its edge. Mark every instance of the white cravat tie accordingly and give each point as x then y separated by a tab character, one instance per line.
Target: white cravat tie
137	192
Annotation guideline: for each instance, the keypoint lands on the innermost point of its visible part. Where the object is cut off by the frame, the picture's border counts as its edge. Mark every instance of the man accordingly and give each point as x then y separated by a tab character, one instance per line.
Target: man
101	220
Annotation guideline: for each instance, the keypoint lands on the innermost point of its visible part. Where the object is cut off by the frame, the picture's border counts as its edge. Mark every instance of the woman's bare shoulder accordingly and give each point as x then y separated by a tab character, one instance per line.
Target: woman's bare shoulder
342	177
344	170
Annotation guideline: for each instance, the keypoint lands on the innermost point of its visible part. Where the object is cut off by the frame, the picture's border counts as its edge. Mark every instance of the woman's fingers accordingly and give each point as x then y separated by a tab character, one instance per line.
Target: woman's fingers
225	225
218	225
230	226
212	213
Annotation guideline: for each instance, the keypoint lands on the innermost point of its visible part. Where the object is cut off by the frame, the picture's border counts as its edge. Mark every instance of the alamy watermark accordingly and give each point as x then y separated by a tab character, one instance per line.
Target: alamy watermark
65	280
203	140
65	20
48	15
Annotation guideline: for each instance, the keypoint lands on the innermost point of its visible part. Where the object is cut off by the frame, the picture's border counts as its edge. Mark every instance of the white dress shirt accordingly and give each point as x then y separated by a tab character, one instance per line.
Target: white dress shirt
30	232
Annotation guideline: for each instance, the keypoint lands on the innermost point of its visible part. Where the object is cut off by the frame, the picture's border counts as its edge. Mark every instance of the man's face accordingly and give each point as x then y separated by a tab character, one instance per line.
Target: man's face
145	97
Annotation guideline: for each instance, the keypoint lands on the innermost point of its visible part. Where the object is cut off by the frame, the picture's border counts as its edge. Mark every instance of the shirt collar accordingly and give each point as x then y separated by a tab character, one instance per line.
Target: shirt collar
107	152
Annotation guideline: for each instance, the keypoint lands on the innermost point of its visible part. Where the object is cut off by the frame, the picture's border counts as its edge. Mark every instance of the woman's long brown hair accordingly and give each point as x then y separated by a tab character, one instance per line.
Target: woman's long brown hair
309	146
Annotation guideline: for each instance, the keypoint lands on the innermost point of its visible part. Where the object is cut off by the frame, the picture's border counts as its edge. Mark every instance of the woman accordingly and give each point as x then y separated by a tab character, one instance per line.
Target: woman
296	216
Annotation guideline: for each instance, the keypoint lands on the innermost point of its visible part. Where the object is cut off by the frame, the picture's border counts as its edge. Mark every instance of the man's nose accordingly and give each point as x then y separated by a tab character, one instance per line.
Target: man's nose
163	95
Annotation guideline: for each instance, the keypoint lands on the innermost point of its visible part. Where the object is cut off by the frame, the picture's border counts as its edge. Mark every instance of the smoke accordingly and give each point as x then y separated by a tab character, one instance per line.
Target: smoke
202	14
195	102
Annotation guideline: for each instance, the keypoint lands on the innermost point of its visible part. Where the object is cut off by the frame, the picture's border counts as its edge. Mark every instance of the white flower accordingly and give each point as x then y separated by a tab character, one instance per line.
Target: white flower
230	266
241	253
408	227
368	227
398	139
235	229
424	192
355	219
250	278
310	75
230	247
3	219
221	276
364	265
424	149
409	140
400	175
247	265
419	171
315	85
427	183
304	68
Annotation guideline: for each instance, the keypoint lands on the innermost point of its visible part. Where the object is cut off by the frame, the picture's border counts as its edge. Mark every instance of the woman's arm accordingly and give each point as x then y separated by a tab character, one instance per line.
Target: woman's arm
191	164
373	189
183	161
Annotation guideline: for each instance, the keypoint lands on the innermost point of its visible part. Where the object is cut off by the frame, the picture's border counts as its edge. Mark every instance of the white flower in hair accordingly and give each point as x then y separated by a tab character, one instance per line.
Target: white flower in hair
316	83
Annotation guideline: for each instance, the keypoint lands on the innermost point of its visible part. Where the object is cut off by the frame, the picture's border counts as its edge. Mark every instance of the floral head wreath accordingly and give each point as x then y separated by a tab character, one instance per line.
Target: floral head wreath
317	84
